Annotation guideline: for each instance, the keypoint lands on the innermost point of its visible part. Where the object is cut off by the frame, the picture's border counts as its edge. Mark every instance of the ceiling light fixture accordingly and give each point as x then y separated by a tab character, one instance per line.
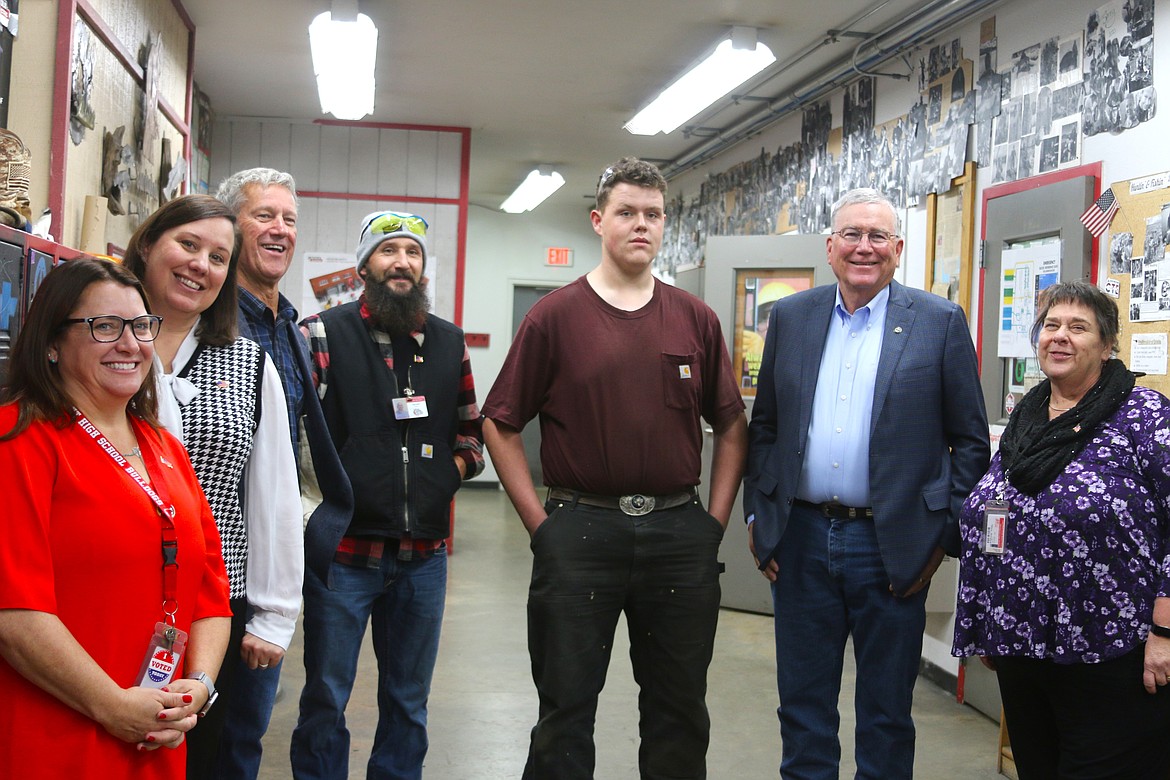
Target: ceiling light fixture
734	61
542	182
345	46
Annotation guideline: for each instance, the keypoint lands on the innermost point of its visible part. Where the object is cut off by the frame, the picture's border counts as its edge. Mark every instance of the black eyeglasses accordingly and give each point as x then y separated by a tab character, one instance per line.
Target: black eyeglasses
109	327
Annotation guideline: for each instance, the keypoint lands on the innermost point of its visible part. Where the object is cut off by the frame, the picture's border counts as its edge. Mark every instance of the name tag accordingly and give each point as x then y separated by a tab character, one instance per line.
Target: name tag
995	516
412	407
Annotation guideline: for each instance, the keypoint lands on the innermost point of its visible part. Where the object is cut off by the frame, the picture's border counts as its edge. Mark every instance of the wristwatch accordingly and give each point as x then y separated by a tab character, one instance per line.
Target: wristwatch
212	694
1161	631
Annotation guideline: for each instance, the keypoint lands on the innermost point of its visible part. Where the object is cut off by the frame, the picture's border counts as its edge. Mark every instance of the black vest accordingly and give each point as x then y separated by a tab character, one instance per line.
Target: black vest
401	484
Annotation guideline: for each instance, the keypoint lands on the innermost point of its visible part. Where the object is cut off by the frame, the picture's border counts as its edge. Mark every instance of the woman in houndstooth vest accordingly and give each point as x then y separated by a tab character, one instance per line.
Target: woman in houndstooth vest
222	398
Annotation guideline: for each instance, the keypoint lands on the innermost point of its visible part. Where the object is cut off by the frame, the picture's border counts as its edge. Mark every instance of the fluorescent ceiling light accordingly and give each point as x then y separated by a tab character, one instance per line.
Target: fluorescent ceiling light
344	53
733	62
532	191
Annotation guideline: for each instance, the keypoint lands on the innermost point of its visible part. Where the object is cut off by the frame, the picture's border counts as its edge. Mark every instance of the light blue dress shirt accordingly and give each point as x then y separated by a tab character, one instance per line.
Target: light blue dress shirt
836	465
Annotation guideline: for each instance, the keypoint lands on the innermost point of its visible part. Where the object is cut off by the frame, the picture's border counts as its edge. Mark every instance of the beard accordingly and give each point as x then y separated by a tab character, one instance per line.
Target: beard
398	314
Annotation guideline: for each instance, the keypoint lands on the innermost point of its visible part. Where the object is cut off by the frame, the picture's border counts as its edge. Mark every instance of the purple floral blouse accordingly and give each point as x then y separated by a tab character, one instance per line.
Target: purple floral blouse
1084	559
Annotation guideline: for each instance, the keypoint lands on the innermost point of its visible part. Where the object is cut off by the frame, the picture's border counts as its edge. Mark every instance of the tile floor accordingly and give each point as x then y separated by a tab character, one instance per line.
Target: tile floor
483	703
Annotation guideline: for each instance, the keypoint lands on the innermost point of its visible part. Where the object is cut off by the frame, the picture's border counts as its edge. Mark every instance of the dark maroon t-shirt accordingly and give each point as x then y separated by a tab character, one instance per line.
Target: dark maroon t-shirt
619	394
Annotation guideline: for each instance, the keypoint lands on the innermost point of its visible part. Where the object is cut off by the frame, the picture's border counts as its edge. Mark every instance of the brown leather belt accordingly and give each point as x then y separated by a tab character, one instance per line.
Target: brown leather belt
834	511
634	505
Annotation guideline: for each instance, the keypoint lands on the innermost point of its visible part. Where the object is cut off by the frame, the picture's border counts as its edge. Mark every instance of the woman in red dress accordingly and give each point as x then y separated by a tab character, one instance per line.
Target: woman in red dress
98	503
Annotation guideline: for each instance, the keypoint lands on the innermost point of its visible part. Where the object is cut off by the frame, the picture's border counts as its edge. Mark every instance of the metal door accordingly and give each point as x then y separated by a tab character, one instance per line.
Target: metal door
726	256
1049	213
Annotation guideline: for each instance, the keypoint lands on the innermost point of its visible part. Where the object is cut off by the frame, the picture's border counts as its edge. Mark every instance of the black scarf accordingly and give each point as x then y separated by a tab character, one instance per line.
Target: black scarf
1034	449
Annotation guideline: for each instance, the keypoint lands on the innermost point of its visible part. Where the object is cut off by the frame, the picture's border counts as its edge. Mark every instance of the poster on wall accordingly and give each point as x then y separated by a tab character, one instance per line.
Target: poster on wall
756	291
1025	271
331	279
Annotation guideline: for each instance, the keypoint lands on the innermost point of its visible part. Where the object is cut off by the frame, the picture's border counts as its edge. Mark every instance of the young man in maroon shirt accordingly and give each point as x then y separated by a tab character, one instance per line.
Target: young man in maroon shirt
621	369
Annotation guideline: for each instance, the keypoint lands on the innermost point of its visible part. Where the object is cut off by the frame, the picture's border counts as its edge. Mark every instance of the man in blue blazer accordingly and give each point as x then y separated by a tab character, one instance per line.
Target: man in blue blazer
868	433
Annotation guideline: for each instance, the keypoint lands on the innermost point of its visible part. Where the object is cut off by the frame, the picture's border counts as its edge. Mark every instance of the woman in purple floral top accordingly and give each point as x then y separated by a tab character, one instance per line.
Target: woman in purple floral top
1065	569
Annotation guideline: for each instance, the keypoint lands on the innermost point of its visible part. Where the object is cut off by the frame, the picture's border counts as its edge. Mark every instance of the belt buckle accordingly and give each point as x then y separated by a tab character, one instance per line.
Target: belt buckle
636	505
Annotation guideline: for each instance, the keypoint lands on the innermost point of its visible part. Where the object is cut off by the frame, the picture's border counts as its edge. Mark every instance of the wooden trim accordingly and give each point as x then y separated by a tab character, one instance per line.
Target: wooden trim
106	35
59	133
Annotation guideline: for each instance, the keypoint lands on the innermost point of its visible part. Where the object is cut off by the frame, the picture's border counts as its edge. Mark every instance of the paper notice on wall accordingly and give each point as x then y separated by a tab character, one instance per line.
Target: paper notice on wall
1147	353
1025	271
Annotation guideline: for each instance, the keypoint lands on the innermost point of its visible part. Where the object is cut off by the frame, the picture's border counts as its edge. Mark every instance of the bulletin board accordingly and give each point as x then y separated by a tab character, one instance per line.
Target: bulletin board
950	240
1138	275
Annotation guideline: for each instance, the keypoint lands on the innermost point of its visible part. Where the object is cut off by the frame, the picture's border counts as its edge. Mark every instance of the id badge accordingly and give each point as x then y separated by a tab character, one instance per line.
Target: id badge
411	407
162	656
995	516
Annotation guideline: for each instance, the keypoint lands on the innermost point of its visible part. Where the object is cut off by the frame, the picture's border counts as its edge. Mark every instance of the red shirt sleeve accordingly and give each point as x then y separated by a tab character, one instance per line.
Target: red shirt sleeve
28	465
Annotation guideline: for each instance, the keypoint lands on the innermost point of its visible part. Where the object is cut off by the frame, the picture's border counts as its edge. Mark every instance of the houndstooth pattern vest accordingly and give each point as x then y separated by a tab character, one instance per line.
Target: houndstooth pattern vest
219	425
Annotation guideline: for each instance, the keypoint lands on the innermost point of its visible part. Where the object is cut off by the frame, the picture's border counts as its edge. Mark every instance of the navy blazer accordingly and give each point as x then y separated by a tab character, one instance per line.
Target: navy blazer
929	435
329	521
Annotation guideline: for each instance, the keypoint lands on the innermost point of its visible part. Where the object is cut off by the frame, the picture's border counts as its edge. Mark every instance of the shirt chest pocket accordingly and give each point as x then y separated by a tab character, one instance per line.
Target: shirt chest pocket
681	382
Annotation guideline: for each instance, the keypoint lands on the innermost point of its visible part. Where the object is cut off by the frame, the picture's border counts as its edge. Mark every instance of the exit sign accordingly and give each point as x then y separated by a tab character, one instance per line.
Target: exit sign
558	255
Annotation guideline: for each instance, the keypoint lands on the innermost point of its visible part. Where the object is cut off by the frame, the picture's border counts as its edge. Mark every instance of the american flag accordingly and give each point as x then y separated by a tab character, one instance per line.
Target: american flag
1098	216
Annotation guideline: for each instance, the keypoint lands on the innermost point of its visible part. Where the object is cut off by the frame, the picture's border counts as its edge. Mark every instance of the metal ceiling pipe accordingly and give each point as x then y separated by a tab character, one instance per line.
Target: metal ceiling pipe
932	19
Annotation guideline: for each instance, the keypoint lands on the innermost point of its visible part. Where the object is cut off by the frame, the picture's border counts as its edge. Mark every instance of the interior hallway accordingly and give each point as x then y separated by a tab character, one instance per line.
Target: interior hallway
483	702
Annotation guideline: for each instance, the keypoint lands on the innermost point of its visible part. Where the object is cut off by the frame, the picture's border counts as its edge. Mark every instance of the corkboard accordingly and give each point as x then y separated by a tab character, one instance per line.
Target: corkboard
1142	215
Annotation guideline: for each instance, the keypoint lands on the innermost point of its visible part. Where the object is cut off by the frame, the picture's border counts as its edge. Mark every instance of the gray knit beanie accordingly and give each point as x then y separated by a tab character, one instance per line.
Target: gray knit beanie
382	225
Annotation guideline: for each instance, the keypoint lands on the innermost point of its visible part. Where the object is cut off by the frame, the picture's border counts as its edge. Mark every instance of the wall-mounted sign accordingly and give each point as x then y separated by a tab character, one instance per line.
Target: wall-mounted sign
559	256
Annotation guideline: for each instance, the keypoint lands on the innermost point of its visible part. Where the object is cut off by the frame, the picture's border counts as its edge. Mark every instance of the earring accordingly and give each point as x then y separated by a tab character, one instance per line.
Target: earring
52	358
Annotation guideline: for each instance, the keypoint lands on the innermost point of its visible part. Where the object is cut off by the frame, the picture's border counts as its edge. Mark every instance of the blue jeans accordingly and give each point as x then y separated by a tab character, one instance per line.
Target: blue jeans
405	601
248	712
589	566
831	583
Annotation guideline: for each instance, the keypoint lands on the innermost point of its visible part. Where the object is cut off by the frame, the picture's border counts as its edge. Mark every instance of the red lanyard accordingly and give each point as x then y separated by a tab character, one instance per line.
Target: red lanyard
166	513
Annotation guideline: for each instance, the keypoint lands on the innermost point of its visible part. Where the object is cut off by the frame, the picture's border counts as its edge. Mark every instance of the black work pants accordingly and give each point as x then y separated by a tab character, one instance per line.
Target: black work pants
1085	721
661	569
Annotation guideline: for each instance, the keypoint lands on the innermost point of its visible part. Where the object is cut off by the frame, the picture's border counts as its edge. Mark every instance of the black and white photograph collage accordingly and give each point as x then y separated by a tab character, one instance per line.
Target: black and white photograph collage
1038	128
1149	274
1119	68
1029	117
907	158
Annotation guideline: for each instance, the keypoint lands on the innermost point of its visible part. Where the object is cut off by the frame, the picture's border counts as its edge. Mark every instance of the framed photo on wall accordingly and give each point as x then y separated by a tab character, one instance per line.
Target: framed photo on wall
756	290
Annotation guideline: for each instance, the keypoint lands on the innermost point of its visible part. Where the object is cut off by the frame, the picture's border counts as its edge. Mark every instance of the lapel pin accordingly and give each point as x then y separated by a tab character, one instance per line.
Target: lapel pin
898	329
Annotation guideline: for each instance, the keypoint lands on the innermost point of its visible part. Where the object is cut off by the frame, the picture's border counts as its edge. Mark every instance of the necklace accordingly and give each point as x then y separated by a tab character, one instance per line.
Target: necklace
134	453
1058	408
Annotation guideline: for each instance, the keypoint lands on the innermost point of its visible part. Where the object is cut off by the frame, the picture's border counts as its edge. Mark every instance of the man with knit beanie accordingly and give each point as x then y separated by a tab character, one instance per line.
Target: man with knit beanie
396	387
